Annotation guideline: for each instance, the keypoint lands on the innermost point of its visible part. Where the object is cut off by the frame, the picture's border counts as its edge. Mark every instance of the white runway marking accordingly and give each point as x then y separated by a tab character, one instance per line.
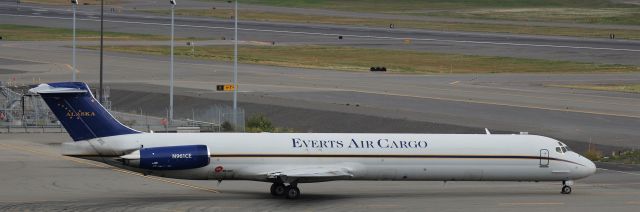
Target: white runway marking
623	172
346	35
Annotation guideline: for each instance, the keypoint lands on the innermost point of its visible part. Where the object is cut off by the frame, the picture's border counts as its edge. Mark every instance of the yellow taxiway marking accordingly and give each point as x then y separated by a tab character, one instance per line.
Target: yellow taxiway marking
531	203
453	83
37	152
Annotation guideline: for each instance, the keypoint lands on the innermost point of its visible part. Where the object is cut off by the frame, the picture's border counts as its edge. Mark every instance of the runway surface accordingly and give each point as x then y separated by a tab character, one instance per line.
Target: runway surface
35	178
590	50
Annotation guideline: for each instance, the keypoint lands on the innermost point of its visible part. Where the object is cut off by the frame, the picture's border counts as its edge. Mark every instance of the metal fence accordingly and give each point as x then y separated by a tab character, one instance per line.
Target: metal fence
210	119
21	112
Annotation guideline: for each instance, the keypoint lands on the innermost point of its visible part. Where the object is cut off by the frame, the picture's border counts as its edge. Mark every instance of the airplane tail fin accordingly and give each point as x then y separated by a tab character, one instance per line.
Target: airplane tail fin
79	112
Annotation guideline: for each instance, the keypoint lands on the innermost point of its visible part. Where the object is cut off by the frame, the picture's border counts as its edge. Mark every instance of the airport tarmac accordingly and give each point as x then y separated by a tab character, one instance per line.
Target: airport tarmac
36	177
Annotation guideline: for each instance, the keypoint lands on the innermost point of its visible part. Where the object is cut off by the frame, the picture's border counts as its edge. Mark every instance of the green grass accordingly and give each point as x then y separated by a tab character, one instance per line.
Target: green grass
361	59
32	33
413	5
625	157
575	11
67	2
629	16
384	23
629	88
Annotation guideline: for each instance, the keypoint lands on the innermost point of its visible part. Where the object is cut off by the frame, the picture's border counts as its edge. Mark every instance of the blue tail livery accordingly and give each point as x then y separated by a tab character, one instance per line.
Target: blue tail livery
79	112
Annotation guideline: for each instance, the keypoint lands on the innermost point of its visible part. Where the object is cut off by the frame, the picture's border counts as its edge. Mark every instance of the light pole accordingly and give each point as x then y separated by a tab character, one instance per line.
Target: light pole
73	68
235	68
173	5
101	91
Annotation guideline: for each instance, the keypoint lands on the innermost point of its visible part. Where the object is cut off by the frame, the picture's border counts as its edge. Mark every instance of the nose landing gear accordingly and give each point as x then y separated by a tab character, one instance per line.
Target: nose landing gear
566	187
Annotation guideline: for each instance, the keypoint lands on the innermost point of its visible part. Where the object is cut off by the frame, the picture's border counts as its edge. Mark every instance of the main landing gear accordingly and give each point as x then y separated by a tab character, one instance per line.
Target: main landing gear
566	187
290	192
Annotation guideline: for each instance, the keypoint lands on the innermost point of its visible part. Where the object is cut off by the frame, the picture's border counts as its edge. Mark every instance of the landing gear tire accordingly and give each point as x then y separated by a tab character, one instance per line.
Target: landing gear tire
566	189
292	192
278	189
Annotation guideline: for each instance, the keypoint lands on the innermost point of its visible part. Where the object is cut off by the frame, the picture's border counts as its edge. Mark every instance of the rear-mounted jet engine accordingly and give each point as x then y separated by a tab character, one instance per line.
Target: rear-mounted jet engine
169	158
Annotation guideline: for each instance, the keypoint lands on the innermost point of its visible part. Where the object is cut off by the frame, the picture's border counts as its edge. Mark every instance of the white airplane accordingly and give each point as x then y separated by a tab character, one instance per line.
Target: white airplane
288	159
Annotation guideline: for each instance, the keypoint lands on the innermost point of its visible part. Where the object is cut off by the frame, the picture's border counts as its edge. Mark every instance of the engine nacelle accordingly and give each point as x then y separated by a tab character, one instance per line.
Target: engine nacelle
169	158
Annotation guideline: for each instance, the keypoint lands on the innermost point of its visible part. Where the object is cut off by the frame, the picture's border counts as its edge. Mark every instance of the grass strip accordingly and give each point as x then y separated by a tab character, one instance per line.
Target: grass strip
68	2
412	5
12	32
361	59
629	16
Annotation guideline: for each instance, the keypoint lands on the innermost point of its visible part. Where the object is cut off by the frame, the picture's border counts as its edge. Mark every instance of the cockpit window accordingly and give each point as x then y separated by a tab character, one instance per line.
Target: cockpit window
563	148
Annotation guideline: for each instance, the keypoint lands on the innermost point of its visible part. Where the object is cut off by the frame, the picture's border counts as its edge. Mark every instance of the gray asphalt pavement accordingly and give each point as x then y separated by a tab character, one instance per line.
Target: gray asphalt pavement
37	178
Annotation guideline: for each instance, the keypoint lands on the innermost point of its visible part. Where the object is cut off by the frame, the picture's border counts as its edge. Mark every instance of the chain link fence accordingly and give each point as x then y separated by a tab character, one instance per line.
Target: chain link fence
21	112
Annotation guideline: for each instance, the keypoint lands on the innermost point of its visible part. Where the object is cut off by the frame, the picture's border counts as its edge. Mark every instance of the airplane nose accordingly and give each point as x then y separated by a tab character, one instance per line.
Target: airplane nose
590	167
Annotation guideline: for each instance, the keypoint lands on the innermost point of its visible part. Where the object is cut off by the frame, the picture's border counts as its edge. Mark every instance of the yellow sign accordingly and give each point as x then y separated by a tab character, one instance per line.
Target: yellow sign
227	87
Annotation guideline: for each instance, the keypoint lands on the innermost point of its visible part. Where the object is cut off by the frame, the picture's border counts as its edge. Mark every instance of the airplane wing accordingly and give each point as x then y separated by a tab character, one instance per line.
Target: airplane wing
311	174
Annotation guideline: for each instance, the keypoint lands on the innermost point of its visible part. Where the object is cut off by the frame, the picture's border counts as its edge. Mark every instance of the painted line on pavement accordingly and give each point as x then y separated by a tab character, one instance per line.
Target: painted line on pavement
623	172
530	203
499	104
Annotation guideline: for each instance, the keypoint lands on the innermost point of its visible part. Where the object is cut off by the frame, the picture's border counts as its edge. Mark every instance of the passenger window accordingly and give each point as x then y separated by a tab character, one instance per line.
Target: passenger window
558	150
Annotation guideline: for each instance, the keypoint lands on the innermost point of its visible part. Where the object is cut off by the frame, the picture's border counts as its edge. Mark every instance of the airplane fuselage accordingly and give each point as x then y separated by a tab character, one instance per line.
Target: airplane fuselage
287	159
411	157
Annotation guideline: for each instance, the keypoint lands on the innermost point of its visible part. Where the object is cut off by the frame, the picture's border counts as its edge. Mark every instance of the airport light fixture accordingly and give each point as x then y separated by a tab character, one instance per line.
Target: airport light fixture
173	5
74	3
